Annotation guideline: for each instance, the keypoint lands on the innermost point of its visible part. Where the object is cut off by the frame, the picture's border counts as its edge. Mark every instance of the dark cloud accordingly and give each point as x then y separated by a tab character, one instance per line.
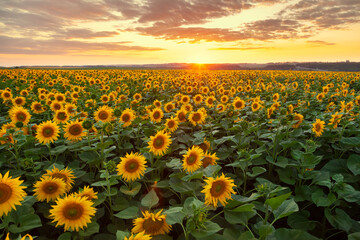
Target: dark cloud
10	45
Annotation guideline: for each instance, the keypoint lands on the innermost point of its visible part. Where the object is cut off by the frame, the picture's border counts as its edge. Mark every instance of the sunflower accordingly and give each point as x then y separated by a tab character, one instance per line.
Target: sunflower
19	101
198	99
255	106
335	119
49	188
276	97
181	115
132	166
298	118
137	97
7	137
270	111
127	116
209	101
65	174
205	146
185	99
320	97
238	103
224	99
221	107
36	107
61	116
56	106
159	143
152	224
156	115
218	190
19	114
139	236
47	132
172	124
6	95
157	104
192	159
209	159
197	117
88	192
168	107
11	193
74	131
105	98
70	108
72	211
318	127
60	97
103	114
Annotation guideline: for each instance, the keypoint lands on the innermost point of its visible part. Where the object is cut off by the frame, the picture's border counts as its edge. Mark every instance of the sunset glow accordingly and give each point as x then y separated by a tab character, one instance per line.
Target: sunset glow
100	32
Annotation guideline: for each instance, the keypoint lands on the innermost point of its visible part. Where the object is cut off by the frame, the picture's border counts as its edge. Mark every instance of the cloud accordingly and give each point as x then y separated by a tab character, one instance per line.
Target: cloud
10	45
238	48
319	42
84	34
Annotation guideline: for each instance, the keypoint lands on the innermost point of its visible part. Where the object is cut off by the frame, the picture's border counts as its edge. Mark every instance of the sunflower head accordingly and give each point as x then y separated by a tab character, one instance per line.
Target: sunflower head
73	212
88	192
103	114
197	117
49	188
159	143
172	124
139	236
65	175
127	116
209	159
318	127
156	115
11	193
74	131
152	224
192	159
19	114
218	190
47	132
132	166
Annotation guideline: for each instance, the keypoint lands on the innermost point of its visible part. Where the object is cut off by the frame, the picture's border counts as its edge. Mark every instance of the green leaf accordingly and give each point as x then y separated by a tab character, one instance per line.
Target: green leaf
299	220
27	222
120	235
256	171
112	181
246	236
353	163
351	141
58	150
354	236
150	199
275	202
285	209
128	213
65	236
341	220
91	229
293	234
90	157
131	192
244	208
174	215
234	217
196	175
210	229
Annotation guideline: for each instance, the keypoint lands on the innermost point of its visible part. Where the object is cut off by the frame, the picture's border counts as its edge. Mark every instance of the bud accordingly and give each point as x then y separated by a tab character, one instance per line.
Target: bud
117	112
87	124
19	124
110	166
93	96
283	111
108	128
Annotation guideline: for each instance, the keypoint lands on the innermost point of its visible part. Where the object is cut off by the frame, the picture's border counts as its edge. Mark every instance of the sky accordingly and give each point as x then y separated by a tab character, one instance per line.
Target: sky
103	32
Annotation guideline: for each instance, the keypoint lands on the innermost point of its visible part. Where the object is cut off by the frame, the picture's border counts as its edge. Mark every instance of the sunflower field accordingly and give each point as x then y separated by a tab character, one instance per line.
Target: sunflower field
179	154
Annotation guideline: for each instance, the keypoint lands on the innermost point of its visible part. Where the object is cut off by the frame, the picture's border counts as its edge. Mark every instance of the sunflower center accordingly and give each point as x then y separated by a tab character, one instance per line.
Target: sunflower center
57	106
70	109
18	101
238	104
191	159
131	166
318	127
48	132
181	116
171	124
50	188
5	192
198	99
37	107
61	116
169	107
206	161
210	101
75	129
73	211
7	95
125	117
159	142
217	188
21	116
103	115
150	226
156	115
255	105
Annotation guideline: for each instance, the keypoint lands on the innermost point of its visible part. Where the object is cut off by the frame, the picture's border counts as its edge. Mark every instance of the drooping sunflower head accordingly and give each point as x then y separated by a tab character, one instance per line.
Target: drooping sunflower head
318	127
61	116
65	175
74	131
11	193
192	159
49	188
298	118
19	114
132	166
103	114
73	212
152	223
159	143
172	124
88	192
218	190
127	116
156	115
47	132
209	159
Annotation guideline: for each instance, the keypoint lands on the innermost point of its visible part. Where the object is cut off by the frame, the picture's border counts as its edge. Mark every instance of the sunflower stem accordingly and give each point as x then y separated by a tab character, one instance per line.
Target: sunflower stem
216	215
